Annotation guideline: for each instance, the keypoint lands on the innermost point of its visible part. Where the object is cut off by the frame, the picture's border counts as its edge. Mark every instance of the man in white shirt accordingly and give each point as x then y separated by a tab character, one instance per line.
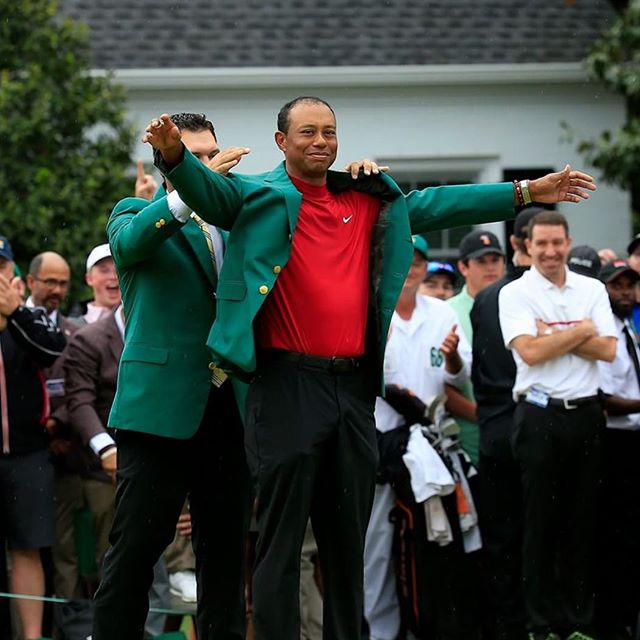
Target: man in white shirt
423	352
617	592
558	325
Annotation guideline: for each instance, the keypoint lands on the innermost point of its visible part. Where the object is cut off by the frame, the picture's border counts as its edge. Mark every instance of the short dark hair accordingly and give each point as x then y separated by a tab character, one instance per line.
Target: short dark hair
549	218
283	114
193	122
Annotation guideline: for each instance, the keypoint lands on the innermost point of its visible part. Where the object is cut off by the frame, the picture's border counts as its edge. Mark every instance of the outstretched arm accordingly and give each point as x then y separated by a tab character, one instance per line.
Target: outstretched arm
457	205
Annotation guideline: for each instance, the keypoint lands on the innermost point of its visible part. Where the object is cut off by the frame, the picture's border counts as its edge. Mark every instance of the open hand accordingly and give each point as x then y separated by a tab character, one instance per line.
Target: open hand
228	158
162	134
562	186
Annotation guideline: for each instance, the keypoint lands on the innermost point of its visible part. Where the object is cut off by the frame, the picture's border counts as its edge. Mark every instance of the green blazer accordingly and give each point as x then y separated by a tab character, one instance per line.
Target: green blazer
262	212
168	286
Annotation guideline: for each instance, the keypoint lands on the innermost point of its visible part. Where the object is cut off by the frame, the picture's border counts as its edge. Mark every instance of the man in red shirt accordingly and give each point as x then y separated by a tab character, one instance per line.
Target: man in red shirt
314	265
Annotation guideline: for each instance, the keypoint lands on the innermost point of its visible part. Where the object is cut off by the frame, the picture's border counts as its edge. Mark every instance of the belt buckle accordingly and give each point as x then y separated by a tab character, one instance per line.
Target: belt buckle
341	364
567	404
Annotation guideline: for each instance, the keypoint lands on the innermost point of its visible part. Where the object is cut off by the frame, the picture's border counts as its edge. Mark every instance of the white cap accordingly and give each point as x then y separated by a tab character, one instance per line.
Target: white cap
98	253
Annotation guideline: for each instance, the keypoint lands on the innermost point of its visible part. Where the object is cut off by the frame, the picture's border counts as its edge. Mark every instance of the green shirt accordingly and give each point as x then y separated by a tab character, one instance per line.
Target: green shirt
469	433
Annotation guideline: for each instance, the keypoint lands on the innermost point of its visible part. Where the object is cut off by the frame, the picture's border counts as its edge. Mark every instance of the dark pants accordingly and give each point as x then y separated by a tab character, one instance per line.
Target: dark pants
618	593
501	524
311	444
559	453
154	477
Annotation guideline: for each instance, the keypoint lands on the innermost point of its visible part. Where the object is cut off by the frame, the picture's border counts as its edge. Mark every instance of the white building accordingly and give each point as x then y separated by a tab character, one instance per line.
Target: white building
442	92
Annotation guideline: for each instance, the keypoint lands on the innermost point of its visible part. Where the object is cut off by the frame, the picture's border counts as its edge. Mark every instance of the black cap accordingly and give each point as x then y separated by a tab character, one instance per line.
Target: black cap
521	223
612	270
584	260
479	243
633	245
5	249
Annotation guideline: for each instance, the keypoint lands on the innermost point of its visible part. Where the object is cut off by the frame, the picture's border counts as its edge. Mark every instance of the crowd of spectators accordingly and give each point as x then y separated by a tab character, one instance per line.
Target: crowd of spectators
544	538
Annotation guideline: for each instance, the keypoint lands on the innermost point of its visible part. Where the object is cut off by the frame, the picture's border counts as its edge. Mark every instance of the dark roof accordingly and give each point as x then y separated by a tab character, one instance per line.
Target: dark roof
286	33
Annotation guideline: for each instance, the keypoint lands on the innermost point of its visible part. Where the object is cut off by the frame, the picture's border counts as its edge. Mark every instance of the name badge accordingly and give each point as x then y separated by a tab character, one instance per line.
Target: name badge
55	388
537	397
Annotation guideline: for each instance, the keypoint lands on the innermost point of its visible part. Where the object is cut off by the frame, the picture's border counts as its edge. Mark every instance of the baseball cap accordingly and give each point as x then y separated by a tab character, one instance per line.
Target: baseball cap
521	223
479	243
5	249
584	260
421	245
633	245
612	270
98	253
447	269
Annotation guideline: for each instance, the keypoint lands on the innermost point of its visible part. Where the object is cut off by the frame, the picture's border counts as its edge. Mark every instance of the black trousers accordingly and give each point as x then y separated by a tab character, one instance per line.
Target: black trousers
155	475
618	592
559	453
311	445
501	513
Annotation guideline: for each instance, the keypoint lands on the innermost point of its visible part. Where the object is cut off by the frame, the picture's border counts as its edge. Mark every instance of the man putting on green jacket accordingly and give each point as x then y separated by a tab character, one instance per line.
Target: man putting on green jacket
314	265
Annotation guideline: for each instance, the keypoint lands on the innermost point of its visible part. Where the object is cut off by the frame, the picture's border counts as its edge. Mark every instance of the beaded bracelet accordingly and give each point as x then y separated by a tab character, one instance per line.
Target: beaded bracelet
519	196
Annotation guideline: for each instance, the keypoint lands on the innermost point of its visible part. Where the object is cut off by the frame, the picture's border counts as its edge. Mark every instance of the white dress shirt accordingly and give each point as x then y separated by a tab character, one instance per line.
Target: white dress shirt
533	297
181	212
618	378
413	359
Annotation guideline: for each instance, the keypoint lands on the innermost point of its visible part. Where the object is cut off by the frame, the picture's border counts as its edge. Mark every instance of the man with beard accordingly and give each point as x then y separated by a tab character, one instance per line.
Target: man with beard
617	593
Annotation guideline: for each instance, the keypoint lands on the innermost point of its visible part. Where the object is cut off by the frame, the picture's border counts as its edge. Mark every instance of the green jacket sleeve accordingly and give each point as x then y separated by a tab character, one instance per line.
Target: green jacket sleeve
458	205
137	227
215	198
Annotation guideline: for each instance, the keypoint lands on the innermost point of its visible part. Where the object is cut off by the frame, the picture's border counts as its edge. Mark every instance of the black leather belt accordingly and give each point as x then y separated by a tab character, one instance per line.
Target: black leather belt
574	403
334	364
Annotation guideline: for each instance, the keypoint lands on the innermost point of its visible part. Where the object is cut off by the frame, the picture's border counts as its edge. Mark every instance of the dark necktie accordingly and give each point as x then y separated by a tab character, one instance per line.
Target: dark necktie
632	350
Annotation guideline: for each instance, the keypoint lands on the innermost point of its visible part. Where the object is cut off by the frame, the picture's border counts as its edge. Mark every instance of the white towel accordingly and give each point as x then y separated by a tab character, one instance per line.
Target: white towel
438	527
429	475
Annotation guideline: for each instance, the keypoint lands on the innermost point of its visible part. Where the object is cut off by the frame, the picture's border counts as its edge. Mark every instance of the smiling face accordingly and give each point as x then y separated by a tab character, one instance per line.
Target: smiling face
549	247
103	279
310	144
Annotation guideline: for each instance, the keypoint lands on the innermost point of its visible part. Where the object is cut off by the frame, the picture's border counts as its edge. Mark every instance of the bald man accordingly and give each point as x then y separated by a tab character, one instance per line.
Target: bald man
48	282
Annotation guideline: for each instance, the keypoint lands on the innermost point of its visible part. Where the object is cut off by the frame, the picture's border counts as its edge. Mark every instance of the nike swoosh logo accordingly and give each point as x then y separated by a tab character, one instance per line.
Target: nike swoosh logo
345	220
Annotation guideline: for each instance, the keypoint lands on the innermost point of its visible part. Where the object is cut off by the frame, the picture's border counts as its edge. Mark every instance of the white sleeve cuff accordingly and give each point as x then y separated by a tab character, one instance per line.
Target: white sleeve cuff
179	210
457	379
100	441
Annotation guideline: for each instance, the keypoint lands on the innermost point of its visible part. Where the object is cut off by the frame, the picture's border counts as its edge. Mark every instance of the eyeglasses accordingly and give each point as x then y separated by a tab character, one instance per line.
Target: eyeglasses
52	283
434	267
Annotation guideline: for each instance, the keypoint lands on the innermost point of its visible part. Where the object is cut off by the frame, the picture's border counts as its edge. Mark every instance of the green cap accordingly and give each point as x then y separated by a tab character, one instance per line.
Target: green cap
421	245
